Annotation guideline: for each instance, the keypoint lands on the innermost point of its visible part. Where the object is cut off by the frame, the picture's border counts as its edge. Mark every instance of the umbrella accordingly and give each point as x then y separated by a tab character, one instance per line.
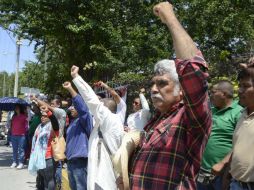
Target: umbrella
9	103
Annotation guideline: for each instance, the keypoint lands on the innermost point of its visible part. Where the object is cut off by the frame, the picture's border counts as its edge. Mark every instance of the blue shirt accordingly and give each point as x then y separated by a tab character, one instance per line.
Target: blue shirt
79	131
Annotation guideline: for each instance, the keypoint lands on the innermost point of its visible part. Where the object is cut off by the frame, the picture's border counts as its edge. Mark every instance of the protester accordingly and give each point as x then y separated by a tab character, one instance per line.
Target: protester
169	154
141	115
41	159
225	114
55	108
105	138
121	105
242	165
19	127
77	137
35	121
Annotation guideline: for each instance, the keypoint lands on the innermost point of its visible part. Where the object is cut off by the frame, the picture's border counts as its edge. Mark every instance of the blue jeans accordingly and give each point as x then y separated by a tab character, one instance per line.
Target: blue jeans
18	147
59	173
216	184
77	173
235	185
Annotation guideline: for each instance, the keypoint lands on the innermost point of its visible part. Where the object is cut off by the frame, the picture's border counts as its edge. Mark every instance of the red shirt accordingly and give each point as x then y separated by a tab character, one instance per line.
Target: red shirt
19	125
169	154
49	147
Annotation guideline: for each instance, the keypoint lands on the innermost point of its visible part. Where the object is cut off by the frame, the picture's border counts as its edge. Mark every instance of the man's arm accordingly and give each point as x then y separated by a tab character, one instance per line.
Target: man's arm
109	123
81	107
183	44
217	168
191	68
113	93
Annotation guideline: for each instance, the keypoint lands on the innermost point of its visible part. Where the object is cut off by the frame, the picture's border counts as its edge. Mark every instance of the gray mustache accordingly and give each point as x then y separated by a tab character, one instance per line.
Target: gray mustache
157	96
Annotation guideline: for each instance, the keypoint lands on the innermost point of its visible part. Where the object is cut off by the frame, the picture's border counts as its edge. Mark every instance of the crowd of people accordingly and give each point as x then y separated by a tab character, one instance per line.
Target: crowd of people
187	143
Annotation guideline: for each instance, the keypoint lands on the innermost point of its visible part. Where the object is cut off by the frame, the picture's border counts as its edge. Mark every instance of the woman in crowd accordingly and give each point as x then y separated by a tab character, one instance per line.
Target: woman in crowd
41	158
19	127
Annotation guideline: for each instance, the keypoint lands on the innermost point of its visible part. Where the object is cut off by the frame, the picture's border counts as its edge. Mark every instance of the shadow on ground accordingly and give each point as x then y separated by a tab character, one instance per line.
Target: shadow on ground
5	159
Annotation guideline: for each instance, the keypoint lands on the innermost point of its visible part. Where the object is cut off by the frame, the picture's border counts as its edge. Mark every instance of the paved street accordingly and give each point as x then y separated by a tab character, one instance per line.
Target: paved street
12	178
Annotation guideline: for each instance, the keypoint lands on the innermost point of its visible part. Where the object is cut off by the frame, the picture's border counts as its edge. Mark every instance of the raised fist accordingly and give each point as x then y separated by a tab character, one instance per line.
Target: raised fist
74	71
142	90
162	10
67	85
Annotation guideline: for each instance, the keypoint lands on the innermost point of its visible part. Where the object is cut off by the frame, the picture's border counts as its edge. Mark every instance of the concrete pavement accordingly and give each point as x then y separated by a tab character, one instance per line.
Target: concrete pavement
13	179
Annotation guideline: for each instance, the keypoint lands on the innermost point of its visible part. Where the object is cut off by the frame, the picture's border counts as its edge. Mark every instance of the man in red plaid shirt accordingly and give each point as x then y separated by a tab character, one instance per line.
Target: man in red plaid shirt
169	154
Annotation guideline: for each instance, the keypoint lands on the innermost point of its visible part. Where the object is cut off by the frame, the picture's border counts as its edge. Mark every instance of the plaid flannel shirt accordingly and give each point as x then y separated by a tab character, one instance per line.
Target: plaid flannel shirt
170	152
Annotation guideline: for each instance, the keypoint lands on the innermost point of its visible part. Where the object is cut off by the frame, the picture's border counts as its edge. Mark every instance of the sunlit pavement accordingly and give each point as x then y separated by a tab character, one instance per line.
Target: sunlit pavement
13	179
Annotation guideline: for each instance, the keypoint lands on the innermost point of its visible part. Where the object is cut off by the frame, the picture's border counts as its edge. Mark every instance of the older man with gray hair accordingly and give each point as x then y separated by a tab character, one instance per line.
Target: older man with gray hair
169	153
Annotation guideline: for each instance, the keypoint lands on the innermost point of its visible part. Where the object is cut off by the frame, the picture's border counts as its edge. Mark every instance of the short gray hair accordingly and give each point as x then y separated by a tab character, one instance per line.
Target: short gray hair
168	67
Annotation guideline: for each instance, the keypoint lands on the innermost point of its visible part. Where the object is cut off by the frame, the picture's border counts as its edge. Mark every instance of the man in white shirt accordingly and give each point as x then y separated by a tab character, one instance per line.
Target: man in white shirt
105	138
141	115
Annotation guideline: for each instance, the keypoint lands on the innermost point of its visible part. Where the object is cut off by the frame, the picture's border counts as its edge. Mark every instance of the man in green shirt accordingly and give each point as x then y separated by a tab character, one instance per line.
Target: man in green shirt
226	113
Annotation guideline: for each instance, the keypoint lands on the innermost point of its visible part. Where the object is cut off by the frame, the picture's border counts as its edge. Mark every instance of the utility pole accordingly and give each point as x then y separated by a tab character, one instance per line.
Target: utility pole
4	85
18	43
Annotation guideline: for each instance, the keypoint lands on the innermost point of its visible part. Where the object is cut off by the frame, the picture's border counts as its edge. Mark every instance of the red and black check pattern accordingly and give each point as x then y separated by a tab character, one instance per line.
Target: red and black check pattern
170	152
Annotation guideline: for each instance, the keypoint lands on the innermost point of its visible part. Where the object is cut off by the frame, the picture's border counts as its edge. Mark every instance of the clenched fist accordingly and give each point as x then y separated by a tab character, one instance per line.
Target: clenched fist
163	10
67	85
74	71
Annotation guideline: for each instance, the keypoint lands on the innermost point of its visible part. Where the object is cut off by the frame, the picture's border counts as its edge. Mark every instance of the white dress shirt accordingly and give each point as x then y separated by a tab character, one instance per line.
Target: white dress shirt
100	173
137	120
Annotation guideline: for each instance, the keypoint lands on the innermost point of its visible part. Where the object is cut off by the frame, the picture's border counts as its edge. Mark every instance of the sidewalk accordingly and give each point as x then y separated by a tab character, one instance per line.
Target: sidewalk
13	178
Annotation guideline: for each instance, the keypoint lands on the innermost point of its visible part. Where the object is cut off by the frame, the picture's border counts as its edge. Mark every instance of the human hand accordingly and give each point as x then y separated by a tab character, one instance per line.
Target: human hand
142	90
44	109
162	10
74	71
67	85
101	84
217	168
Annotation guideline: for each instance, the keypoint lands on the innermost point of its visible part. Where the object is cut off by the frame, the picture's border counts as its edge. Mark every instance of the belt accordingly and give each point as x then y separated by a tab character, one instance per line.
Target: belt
205	177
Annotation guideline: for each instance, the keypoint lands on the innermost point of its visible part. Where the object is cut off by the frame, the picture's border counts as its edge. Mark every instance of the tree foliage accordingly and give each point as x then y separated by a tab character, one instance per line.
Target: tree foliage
124	37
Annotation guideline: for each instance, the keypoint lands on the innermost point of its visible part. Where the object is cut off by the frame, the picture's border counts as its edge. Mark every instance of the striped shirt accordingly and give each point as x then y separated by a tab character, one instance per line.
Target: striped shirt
169	154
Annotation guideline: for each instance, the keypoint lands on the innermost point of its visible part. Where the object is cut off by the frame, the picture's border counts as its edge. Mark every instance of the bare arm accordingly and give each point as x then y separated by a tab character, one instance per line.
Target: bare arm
183	44
42	103
218	168
113	93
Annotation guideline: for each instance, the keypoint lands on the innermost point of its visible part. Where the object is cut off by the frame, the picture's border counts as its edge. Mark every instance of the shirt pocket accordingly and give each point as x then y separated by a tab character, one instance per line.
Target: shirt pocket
160	138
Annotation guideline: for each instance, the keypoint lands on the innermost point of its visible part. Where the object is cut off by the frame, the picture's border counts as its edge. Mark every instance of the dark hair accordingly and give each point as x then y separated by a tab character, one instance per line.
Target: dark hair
246	73
58	101
21	109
